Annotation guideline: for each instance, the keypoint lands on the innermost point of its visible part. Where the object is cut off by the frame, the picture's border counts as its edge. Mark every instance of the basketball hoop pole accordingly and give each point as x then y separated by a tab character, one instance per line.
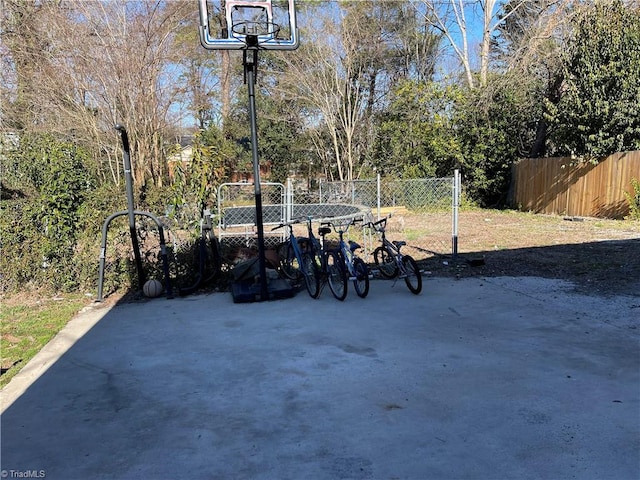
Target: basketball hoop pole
248	25
250	62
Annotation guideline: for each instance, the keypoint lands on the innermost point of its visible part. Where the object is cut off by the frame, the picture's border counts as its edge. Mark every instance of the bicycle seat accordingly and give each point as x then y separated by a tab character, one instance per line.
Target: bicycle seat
324	231
354	245
400	243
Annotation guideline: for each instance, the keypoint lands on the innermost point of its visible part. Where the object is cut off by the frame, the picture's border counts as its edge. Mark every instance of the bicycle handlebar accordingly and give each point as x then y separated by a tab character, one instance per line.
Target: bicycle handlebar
287	224
352	221
382	221
309	218
281	225
339	230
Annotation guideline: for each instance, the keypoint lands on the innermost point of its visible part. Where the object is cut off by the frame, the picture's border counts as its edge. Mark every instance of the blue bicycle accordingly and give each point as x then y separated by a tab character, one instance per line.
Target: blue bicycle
296	261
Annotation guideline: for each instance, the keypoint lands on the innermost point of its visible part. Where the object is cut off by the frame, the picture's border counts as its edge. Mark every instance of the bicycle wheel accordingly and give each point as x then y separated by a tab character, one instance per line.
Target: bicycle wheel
337	277
288	261
413	277
311	275
385	262
362	277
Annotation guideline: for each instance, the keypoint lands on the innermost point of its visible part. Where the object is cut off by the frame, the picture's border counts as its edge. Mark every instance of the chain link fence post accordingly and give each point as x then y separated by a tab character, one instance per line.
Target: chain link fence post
456	206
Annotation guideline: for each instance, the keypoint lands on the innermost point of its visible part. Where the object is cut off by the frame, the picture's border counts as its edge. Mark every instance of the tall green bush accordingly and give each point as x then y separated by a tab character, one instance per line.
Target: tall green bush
40	231
634	200
598	111
415	137
21	262
196	182
492	126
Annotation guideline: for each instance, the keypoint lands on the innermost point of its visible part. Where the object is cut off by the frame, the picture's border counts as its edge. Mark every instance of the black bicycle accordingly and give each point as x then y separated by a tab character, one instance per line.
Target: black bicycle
392	263
330	267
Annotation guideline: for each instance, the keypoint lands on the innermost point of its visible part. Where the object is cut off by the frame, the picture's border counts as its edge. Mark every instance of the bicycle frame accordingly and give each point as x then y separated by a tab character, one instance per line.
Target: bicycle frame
392	247
394	250
347	251
336	278
316	246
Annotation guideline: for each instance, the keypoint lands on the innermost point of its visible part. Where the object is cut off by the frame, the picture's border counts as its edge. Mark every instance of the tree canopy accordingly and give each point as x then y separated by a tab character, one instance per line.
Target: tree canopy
597	114
410	88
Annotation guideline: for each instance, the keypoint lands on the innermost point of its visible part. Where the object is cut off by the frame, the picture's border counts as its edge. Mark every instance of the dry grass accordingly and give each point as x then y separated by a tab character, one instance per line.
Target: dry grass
598	255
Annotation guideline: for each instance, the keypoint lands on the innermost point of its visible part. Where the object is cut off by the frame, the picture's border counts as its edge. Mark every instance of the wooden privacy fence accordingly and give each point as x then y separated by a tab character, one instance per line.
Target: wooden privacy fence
567	187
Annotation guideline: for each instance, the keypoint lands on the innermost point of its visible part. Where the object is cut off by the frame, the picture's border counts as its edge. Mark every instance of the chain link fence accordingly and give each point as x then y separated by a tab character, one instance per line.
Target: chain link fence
418	195
236	218
423	212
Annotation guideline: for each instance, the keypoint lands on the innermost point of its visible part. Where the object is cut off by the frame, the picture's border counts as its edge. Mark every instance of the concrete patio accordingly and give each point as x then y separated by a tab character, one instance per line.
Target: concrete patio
485	378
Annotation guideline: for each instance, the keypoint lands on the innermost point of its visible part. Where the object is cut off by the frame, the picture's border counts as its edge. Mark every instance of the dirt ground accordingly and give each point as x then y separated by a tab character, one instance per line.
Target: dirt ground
598	256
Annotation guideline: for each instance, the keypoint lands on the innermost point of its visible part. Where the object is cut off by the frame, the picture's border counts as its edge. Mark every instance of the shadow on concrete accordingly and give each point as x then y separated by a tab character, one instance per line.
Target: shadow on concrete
609	267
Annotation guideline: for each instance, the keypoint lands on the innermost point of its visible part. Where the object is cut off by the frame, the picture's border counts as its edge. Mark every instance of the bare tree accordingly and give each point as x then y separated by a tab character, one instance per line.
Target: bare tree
321	75
133	84
88	65
352	55
27	58
528	46
451	17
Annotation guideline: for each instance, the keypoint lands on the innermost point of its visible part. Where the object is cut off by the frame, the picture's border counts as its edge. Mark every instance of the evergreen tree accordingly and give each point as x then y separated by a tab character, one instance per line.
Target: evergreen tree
598	112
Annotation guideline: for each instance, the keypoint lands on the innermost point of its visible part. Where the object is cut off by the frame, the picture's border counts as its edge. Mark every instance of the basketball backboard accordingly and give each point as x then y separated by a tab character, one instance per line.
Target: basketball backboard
240	24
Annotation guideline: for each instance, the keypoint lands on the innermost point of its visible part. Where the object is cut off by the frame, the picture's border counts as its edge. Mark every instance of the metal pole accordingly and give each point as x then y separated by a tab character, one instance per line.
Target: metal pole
250	69
289	200
103	253
378	193
455	204
126	159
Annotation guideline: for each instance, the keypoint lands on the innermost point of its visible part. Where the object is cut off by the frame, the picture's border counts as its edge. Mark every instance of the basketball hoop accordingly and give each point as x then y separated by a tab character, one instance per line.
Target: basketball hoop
267	24
254	34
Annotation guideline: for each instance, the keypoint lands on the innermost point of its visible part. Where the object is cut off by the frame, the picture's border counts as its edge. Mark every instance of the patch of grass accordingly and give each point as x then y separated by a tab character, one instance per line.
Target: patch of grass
411	235
25	329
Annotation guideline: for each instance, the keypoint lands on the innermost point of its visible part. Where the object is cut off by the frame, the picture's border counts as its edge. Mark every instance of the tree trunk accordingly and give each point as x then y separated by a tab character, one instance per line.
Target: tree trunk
486	42
539	147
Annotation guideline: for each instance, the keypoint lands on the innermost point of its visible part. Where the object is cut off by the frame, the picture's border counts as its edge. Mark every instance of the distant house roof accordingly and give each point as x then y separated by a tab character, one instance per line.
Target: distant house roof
185	141
185	150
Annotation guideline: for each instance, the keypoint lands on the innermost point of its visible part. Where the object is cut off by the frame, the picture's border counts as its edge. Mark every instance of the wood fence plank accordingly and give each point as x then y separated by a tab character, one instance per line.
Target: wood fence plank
565	186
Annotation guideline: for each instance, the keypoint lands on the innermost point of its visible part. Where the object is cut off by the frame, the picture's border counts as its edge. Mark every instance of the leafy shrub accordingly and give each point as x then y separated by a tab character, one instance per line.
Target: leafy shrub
40	230
64	186
598	111
491	125
634	200
21	262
